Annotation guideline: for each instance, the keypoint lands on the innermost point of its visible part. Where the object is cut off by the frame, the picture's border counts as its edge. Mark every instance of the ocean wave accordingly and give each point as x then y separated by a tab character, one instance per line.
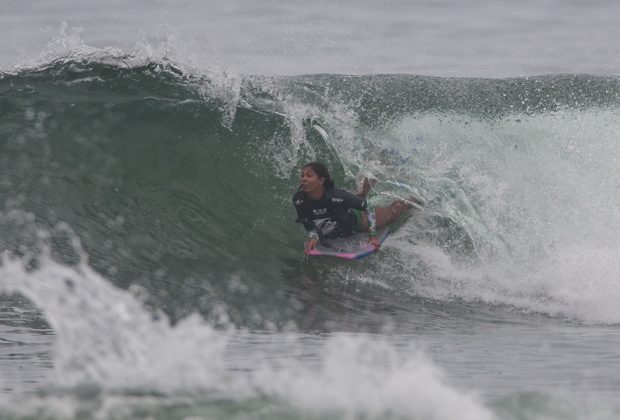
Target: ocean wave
180	181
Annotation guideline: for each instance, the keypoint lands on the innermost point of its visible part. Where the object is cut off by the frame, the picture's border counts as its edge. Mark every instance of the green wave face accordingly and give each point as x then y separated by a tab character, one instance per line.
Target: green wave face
161	191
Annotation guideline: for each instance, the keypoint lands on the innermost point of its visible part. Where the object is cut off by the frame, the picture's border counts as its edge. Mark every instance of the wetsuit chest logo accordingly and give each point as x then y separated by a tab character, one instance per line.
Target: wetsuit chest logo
325	226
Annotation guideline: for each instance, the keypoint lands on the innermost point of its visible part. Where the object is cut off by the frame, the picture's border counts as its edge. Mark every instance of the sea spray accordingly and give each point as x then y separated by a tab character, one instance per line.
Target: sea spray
521	210
107	340
359	377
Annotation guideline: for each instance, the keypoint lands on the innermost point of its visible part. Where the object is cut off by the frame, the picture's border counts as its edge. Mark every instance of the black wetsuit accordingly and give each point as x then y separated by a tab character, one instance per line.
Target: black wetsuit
331	216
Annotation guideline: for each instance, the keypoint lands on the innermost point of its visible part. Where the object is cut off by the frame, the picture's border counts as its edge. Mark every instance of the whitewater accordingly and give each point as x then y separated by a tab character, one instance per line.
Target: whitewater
150	264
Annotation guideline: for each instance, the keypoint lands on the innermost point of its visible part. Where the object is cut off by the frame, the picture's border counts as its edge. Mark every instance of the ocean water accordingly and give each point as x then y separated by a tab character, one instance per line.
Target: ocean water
150	266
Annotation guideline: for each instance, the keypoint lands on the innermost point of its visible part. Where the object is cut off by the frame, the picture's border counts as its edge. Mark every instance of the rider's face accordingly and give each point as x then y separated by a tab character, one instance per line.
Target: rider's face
310	181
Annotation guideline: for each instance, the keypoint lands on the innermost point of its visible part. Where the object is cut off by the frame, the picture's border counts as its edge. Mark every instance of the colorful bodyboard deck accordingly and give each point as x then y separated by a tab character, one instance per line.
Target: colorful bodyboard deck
349	248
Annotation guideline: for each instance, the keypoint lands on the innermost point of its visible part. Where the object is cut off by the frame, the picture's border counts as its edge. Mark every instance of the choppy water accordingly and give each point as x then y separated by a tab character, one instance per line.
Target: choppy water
151	267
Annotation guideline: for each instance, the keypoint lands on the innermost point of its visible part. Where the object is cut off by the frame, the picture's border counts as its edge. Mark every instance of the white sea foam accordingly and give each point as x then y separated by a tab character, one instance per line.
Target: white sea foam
107	339
361	377
537	195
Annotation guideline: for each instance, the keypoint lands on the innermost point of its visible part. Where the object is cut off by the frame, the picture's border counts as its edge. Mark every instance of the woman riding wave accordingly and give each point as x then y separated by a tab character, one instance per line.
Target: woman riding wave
328	212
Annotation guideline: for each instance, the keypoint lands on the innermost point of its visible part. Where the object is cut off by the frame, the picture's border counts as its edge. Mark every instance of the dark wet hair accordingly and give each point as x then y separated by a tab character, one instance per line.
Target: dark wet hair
322	171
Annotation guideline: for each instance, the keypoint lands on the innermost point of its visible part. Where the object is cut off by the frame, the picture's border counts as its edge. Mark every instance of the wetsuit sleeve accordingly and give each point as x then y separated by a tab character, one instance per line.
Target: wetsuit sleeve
352	201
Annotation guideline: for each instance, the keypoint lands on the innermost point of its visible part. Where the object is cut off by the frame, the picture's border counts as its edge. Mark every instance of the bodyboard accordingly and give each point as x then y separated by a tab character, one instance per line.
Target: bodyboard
351	247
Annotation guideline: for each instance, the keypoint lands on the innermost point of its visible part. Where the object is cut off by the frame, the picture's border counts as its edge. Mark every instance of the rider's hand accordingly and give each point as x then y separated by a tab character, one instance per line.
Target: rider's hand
374	241
310	244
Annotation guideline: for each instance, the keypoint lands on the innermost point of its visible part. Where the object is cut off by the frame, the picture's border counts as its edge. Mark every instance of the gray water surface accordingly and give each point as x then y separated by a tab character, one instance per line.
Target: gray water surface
481	38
